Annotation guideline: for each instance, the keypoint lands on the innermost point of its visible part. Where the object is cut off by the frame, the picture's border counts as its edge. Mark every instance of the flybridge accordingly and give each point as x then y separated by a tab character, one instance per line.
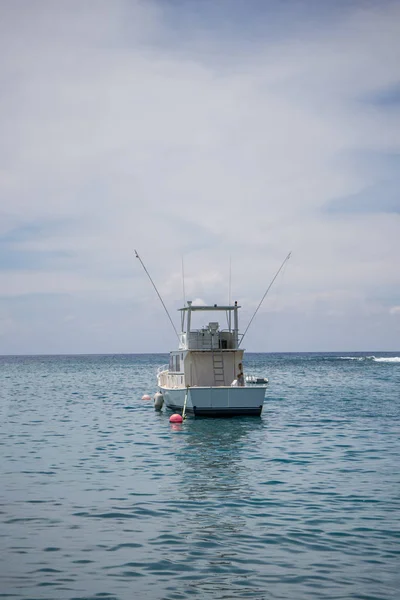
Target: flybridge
190	308
210	337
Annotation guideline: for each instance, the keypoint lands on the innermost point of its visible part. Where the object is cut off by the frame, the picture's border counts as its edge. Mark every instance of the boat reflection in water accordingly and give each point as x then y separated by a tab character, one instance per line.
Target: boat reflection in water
215	476
214	479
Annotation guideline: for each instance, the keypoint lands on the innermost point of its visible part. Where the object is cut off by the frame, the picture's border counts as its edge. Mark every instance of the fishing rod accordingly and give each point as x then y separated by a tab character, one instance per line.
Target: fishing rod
263	298
158	294
183	283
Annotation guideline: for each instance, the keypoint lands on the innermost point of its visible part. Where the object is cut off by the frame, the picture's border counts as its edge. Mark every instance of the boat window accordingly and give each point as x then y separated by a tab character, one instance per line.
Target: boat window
178	363
171	362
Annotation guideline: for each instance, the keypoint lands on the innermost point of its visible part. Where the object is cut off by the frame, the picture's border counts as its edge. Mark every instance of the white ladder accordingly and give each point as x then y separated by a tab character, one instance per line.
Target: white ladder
218	366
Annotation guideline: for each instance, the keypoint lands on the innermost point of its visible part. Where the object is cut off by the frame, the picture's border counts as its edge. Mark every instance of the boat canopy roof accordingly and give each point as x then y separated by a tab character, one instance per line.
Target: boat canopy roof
213	307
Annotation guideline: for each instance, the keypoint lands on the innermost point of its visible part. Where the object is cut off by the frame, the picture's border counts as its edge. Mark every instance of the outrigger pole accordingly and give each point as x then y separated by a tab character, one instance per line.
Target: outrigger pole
263	298
158	293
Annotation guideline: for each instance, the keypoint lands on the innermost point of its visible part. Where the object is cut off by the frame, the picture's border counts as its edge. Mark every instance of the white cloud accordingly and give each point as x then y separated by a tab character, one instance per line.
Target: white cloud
198	302
142	141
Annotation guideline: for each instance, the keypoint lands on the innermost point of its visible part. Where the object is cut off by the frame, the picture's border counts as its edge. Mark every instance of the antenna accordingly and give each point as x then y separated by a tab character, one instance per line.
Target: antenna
158	293
230	291
262	299
230	280
183	283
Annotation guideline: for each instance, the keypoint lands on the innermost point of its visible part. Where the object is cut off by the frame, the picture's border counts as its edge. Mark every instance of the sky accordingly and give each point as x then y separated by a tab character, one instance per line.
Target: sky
205	133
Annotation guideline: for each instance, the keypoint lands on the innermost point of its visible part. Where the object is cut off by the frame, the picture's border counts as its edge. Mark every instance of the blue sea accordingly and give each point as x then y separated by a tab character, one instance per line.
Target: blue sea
101	498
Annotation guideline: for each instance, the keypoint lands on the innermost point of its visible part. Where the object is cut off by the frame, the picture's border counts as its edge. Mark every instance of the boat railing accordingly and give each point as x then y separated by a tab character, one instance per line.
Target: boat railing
162	369
203	339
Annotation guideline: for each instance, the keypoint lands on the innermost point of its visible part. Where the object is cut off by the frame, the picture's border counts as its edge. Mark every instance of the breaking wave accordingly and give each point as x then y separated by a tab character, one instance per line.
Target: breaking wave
386	359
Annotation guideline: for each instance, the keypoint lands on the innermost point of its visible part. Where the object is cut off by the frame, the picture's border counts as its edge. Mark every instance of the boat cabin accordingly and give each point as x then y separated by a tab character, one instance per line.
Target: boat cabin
208	356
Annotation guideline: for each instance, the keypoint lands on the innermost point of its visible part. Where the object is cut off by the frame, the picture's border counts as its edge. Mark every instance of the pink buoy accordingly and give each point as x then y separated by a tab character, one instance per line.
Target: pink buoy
176	419
146	397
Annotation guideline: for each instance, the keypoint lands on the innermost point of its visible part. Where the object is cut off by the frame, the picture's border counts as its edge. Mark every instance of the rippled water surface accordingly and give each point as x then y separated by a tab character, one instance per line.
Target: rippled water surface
101	498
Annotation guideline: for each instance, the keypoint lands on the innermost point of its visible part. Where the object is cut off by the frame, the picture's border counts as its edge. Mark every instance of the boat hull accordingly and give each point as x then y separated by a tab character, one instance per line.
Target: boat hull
216	401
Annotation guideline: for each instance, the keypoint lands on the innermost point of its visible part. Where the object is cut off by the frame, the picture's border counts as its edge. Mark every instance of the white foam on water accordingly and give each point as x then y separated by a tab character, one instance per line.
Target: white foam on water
388	359
391	359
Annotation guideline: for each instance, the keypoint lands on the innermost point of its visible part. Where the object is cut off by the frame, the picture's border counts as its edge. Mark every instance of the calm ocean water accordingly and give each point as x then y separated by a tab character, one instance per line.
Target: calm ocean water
101	498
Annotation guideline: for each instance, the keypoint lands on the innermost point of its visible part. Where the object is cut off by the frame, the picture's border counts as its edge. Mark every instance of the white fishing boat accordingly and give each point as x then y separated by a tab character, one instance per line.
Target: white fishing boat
205	374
